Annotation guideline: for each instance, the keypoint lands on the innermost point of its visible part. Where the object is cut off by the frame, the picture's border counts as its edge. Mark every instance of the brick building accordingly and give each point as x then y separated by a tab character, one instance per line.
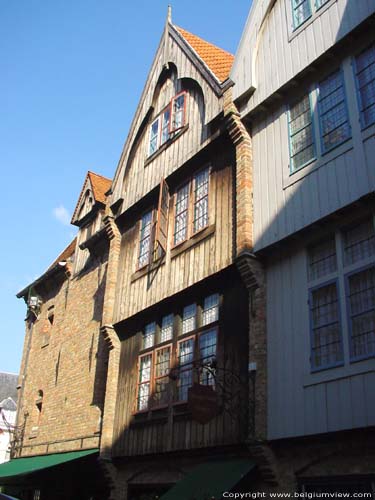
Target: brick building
64	362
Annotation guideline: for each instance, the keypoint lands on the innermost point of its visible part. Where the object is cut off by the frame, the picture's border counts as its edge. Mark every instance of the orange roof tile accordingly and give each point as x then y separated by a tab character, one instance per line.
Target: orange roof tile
219	61
100	185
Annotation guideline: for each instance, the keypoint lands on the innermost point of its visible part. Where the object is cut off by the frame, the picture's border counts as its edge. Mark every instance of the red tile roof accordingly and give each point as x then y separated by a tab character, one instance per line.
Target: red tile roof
219	61
100	185
65	254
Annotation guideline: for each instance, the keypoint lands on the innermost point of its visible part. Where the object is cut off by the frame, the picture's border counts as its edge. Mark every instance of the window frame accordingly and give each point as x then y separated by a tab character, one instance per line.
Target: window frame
296	26
159	119
140	266
314	157
188	210
154	378
340	72
183	123
313	367
140	356
349	316
191	206
174	345
358	90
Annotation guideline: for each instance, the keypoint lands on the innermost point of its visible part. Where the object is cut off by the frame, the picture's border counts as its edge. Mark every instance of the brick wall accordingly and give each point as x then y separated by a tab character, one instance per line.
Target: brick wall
68	362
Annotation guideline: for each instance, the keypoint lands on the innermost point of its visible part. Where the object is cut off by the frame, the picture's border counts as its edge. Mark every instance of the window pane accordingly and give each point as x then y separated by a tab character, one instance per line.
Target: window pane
359	242
334	122
189	318
319	3
185	362
144	382
178	112
201	200
362	312
166	332
207	351
322	259
181	214
301	11
165	126
145	240
149	335
210	311
154	132
326	334
301	134
162	368
365	70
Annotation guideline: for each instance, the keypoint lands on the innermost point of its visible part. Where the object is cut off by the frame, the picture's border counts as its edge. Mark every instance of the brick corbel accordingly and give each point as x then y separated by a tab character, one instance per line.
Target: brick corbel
243	175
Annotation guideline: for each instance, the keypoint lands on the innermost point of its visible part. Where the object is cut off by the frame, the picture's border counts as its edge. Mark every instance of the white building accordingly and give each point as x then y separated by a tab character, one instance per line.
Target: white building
8	410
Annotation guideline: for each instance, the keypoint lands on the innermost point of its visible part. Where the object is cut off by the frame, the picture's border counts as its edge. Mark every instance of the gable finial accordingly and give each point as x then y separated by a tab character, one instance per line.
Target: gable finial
169	15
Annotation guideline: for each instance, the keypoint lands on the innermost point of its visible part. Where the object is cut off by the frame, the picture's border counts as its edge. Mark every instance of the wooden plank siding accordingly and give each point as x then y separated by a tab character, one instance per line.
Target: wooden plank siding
203	106
204	258
301	402
286	202
172	428
271	53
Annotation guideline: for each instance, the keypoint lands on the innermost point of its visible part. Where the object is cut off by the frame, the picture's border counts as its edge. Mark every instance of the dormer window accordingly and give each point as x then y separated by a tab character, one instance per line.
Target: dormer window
169	121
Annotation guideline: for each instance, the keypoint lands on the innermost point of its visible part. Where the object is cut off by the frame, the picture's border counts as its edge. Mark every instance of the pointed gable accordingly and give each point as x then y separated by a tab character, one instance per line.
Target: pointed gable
218	61
183	63
93	192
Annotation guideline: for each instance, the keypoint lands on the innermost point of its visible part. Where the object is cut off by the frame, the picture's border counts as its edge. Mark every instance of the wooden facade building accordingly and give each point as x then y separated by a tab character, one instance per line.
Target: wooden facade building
304	86
177	304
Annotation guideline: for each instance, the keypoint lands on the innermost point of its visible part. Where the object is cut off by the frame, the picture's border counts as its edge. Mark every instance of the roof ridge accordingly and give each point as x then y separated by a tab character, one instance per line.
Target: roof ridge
99	175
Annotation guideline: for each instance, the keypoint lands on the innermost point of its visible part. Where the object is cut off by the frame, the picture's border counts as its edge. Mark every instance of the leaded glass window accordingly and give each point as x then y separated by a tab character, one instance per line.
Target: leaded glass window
144	381
326	349
322	259
210	311
185	363
334	120
365	72
359	242
145	240
200	200
189	316
301	12
181	214
149	335
178	111
166	331
361	289
162	369
154	137
165	119
207	352
302	148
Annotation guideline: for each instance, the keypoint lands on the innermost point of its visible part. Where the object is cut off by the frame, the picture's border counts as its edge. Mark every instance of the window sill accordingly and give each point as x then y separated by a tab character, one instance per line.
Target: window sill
146	270
328	157
310	20
193	240
162	148
338	373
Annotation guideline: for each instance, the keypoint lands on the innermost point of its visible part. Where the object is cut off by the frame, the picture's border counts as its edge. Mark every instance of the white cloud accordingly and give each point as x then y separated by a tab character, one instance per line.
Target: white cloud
62	215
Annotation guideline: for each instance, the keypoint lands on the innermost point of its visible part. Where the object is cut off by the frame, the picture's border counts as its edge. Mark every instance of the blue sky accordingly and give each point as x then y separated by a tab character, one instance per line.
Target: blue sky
72	72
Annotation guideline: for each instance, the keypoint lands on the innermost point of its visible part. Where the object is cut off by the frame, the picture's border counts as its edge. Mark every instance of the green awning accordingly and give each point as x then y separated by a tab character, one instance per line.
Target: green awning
28	465
209	480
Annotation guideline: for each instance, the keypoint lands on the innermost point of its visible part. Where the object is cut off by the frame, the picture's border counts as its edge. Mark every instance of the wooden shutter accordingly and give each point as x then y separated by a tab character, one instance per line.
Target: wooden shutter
161	231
